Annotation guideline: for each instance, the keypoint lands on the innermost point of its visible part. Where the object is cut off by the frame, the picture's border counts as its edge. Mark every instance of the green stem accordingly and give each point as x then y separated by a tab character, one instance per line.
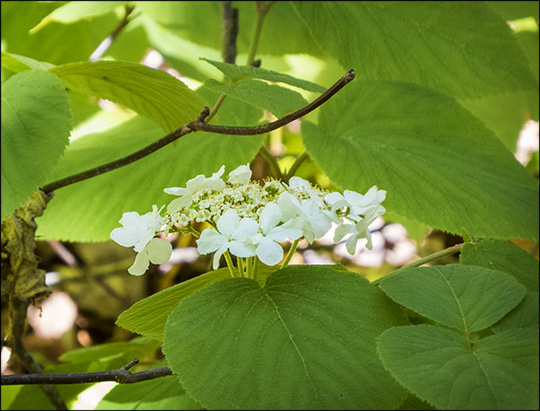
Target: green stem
299	160
262	10
249	267
272	161
290	254
240	267
255	268
229	263
448	251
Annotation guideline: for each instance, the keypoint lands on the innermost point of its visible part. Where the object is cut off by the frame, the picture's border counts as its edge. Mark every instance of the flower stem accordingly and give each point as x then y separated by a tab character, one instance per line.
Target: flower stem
290	254
241	267
448	251
255	268
249	267
230	263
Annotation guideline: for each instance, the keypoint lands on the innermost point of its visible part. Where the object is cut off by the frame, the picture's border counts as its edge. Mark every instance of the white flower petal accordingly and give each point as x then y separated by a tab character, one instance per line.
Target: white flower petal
247	227
240	175
269	252
228	223
218	254
269	217
210	241
176	191
241	249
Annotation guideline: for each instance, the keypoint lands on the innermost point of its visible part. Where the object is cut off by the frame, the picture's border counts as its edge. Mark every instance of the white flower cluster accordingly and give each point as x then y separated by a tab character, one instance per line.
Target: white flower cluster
248	219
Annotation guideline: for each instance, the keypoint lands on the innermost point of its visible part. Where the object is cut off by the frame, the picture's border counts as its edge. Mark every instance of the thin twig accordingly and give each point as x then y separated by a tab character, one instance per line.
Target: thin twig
105	44
121	376
197	125
432	257
200	125
271	159
299	160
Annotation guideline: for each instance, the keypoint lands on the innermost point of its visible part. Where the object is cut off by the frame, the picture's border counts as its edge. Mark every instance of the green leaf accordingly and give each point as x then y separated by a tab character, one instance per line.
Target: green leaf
440	366
17	63
505	114
36	121
503	256
418	144
523	316
461	49
511	10
74	11
73	217
304	341
462	297
276	99
152	93
149	315
164	393
234	71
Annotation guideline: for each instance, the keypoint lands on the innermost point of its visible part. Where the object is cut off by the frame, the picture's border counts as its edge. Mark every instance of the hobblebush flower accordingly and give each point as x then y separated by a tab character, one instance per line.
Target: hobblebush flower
248	219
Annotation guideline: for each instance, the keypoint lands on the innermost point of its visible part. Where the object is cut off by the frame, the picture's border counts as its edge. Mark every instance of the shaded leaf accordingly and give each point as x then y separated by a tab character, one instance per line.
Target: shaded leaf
503	256
443	368
462	297
440	45
439	164
309	334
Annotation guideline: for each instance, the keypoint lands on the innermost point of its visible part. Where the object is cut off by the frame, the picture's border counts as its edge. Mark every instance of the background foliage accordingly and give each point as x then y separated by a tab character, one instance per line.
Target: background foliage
433	117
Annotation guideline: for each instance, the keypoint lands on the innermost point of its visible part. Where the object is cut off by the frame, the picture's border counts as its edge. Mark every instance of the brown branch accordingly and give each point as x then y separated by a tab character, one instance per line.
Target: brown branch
200	125
121	376
229	27
18	310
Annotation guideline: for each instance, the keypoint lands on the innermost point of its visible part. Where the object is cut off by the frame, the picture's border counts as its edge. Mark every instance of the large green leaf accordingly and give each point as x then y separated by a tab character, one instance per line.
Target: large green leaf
148	316
36	121
463	49
152	93
164	393
89	210
440	165
503	256
306	340
462	297
525	315
499	372
234	71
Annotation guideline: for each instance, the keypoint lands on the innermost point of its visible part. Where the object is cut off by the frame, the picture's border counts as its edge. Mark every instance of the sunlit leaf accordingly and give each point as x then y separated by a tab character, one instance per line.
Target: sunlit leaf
36	121
76	10
152	93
